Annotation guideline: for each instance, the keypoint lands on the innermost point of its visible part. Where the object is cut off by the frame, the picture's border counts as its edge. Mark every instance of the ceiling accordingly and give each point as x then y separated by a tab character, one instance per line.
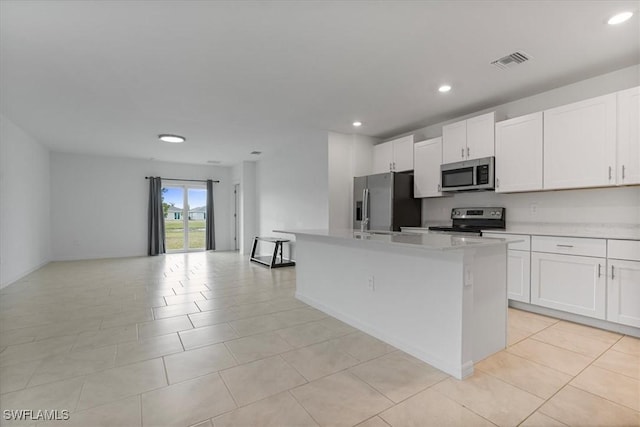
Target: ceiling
106	77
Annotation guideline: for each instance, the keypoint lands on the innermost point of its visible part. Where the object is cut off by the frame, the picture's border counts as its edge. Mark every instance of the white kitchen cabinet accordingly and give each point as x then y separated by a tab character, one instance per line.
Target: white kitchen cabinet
628	148
519	154
519	275
575	284
427	157
518	266
624	292
623	275
393	156
580	144
382	157
473	138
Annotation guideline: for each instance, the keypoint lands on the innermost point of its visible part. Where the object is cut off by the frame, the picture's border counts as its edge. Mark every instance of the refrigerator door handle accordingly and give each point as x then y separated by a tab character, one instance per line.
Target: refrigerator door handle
365	210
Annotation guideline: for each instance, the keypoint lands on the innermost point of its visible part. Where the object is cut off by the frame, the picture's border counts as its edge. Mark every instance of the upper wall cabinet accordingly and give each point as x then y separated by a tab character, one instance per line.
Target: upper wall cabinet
580	144
469	139
393	156
628	150
426	172
519	154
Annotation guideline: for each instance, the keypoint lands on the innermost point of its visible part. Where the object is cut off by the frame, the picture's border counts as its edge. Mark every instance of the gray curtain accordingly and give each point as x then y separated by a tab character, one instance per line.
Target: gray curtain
210	230
156	217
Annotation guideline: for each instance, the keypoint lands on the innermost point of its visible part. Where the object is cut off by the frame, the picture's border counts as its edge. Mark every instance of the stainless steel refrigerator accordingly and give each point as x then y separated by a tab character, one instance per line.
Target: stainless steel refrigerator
385	202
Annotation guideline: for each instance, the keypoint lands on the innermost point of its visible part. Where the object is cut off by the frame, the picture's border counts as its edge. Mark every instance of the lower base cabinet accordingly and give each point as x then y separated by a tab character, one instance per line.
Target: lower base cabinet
519	275
623	302
575	284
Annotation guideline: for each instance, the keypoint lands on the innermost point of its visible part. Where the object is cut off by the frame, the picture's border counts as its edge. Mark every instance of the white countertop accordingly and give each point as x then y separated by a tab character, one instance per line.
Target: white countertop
440	242
591	230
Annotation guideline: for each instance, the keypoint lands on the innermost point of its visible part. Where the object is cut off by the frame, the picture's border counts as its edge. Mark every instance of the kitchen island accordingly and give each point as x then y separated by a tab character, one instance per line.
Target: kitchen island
438	297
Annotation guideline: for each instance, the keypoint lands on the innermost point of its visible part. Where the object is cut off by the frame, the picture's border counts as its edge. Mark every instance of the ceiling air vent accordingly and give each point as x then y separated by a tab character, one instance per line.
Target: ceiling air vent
511	60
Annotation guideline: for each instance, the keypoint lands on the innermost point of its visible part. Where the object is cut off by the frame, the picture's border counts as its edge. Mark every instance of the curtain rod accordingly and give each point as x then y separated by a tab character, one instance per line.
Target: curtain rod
178	179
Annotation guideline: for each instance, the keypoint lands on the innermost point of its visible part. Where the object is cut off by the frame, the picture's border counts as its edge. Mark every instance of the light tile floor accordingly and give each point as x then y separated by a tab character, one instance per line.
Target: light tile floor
210	340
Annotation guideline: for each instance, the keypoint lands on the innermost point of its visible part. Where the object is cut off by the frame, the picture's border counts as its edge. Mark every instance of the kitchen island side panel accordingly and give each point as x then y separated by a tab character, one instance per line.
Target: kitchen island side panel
410	298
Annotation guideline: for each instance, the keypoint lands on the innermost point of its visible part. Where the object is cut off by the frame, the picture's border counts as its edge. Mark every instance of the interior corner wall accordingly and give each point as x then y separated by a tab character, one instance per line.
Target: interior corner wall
292	187
248	218
348	156
99	204
25	195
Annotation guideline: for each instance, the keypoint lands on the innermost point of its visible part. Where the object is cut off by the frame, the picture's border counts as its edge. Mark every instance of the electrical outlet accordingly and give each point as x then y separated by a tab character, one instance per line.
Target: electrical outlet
371	284
533	209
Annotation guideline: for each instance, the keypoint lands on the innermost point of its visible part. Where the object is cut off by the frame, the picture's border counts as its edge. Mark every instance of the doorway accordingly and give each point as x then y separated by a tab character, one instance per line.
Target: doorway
185	214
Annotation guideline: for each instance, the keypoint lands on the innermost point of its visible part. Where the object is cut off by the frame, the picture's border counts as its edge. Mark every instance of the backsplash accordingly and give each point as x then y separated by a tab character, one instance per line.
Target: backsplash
606	206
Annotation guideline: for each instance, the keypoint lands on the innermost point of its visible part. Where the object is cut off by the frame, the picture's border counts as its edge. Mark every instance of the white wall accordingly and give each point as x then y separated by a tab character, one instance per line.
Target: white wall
292	187
248	220
348	156
25	241
99	204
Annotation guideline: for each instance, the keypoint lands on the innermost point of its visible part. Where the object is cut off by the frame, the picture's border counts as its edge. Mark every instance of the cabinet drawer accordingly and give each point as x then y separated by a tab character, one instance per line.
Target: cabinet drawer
569	246
624	249
525	245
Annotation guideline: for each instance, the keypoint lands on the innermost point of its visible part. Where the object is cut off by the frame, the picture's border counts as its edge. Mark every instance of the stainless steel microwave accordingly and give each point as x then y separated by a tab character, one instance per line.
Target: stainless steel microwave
469	175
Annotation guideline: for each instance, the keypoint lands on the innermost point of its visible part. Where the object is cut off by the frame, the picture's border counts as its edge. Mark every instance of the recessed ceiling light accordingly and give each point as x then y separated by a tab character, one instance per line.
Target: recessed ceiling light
357	124
619	18
444	88
173	139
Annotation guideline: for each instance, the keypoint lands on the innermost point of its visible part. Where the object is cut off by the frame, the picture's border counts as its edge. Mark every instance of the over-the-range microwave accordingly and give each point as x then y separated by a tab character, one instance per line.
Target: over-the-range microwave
468	175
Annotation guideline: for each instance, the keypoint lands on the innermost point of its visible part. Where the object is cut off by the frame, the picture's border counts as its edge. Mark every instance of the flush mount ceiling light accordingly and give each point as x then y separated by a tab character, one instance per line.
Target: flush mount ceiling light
444	88
619	18
173	139
357	124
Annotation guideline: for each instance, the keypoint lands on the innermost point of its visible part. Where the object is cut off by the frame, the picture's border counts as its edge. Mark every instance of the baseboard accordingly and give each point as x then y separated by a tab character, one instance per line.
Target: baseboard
576	318
22	275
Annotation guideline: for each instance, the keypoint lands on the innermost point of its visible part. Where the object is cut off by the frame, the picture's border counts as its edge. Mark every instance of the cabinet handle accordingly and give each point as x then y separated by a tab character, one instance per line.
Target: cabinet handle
612	275
468	151
599	270
622	171
564	246
609	173
462	152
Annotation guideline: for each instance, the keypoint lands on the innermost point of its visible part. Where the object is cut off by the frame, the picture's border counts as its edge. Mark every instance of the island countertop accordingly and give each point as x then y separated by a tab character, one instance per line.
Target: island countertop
438	242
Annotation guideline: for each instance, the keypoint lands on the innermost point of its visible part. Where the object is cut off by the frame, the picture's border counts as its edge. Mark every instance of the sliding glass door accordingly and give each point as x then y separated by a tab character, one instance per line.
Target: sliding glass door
185	214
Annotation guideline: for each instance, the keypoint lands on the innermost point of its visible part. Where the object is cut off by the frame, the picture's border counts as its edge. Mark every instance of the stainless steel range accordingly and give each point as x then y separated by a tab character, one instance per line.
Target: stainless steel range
471	221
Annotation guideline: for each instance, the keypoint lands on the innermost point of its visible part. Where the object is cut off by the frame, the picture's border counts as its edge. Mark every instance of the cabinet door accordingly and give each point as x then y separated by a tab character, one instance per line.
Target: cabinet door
570	283
403	154
519	154
382	157
580	144
481	136
426	173
519	275
454	142
623	304
628	170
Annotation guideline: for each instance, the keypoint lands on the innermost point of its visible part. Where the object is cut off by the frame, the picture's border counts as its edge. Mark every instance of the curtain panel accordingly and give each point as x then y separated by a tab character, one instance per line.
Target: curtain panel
210	229
156	217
